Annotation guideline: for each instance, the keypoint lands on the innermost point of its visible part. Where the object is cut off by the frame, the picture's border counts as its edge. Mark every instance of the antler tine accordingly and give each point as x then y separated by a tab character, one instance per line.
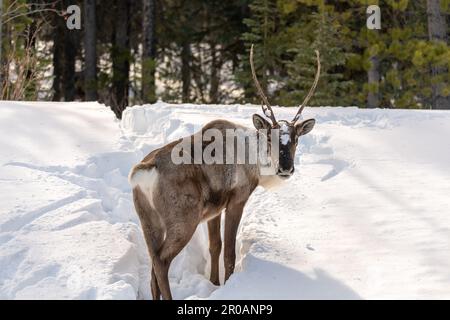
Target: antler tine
311	91
267	109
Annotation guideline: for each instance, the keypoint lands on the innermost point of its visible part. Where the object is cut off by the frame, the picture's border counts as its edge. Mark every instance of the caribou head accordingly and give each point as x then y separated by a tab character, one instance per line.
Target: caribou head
289	131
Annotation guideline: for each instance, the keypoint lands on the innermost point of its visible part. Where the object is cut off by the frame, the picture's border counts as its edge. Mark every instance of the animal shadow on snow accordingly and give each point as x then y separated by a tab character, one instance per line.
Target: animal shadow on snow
270	280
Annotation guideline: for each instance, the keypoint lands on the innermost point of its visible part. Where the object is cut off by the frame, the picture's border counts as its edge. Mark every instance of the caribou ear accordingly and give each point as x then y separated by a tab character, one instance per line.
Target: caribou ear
260	123
304	127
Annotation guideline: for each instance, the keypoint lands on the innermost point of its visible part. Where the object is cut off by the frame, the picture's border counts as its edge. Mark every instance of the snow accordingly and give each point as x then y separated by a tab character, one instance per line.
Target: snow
67	229
364	217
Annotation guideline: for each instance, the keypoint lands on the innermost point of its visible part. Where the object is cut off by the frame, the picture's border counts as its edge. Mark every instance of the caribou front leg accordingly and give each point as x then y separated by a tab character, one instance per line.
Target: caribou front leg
233	216
215	246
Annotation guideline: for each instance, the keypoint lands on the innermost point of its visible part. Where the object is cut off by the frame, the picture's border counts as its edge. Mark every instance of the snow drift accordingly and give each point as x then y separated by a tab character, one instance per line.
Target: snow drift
365	216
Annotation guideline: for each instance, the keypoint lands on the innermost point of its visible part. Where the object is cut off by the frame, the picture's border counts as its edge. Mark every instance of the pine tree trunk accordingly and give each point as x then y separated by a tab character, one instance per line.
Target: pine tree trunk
31	90
90	45
186	71
69	66
437	30
1	44
214	84
58	50
120	58
149	52
6	42
373	75
70	53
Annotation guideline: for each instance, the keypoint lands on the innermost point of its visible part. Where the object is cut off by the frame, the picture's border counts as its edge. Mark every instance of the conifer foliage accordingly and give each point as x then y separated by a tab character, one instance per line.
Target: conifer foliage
132	52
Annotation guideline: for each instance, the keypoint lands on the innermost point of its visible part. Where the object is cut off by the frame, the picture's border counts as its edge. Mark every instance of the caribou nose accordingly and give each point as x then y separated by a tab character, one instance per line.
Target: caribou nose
286	172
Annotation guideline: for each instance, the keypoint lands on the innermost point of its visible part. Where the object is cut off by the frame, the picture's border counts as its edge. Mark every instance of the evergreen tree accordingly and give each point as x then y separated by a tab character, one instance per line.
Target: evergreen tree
263	25
203	52
321	31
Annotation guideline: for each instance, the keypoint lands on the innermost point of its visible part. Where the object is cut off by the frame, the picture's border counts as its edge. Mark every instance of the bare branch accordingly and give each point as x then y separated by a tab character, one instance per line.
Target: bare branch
21	71
32	12
16	11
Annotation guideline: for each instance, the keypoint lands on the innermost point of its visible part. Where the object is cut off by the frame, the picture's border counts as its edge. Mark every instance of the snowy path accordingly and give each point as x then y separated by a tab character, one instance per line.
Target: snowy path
364	217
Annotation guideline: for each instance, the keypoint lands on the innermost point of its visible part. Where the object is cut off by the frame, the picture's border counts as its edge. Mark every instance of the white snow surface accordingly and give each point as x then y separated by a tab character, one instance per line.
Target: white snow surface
366	215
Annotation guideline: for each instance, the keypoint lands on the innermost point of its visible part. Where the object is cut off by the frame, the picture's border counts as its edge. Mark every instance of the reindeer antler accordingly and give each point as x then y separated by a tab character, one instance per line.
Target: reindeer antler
267	109
311	91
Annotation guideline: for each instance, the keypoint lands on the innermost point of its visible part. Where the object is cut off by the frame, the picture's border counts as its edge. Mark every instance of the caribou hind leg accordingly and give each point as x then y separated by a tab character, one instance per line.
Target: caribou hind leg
177	237
156	292
163	251
153	233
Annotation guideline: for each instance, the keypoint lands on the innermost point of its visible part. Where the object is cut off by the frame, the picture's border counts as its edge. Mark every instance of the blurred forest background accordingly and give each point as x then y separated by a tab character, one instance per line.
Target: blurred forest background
137	51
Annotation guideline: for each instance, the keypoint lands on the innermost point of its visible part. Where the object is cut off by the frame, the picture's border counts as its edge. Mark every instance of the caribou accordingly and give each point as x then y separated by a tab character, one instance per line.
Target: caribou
172	199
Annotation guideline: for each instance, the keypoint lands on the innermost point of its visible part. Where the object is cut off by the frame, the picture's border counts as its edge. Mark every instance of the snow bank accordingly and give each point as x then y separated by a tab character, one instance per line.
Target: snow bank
67	229
365	216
